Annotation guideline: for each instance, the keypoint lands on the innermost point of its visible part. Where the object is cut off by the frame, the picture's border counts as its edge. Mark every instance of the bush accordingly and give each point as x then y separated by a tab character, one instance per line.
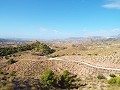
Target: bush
65	80
48	78
114	80
96	54
89	54
10	61
112	75
1	72
118	80
12	73
43	48
101	76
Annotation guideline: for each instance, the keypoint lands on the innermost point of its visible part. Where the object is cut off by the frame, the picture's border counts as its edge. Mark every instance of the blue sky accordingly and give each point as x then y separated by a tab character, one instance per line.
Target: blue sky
51	19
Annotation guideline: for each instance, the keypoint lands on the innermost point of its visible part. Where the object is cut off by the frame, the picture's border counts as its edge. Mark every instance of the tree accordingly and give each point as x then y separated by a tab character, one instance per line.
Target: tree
65	80
40	47
48	78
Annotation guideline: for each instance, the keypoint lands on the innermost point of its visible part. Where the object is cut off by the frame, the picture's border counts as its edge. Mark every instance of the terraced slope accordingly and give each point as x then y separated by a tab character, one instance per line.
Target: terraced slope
36	68
107	61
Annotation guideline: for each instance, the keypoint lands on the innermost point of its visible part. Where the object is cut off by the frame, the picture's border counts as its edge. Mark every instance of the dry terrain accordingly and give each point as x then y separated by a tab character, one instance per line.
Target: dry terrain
99	55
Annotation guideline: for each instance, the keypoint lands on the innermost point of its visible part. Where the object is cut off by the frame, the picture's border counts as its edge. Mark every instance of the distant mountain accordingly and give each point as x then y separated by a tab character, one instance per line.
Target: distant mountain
116	36
97	38
5	40
87	38
76	38
11	40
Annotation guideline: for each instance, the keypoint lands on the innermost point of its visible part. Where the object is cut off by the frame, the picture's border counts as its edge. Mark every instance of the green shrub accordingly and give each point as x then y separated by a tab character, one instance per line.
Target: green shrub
43	48
118	80
12	73
10	61
101	76
65	80
112	80
112	75
48	78
1	72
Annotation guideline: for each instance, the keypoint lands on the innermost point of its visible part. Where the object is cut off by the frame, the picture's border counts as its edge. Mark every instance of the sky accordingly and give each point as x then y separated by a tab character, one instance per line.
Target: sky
58	19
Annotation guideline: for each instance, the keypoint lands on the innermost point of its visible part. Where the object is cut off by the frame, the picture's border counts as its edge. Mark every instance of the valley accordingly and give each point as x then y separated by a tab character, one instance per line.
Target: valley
85	60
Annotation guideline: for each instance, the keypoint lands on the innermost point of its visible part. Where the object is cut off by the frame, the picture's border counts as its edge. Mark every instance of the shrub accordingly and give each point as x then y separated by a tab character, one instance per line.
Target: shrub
1	72
89	54
10	61
96	54
118	80
73	53
43	48
112	80
12	73
101	76
79	54
112	75
65	80
48	78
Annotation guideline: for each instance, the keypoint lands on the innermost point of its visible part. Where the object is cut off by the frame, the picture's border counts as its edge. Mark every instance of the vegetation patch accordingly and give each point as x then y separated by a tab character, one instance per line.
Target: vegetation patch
112	75
12	73
48	78
41	47
65	80
114	80
101	76
1	72
11	61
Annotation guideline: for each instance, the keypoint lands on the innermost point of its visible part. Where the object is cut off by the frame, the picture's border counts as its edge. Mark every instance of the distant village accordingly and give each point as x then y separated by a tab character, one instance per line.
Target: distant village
5	42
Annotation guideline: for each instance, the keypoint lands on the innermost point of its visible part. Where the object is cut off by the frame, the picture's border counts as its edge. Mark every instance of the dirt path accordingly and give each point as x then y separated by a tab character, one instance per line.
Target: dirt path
87	64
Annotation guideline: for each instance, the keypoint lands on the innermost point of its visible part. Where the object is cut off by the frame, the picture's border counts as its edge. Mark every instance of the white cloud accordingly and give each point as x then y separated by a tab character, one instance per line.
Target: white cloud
46	30
52	33
43	29
84	32
111	32
112	4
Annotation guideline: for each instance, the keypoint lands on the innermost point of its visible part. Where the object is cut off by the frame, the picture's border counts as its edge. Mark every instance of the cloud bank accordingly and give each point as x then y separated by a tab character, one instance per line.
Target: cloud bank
112	4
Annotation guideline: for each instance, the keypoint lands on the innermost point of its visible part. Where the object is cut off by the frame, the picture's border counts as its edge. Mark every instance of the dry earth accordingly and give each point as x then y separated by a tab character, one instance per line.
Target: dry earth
31	66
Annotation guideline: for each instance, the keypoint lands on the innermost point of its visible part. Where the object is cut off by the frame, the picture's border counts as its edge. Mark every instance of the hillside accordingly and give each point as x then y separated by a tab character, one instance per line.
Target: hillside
80	59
